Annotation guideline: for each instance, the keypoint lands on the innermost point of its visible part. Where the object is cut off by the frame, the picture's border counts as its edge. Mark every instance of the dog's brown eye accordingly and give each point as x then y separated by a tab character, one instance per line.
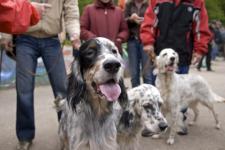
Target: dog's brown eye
148	106
114	51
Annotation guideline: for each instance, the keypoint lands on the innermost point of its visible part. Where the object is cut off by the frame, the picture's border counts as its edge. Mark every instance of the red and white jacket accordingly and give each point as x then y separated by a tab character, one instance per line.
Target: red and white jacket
178	24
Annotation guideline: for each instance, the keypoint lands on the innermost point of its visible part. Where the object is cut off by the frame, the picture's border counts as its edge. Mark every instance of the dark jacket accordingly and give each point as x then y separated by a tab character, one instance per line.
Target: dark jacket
178	24
107	21
131	8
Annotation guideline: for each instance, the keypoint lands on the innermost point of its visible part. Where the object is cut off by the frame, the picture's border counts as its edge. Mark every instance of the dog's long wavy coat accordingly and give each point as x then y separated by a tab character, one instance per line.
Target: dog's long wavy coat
182	91
95	86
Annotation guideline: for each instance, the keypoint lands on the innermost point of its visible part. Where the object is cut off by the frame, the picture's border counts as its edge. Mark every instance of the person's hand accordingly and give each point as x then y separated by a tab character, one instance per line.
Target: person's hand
41	7
6	44
118	43
76	43
134	17
196	58
149	49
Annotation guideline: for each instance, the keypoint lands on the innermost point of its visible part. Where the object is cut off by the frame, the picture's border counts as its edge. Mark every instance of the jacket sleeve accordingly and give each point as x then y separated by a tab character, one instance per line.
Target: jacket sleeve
148	26
201	30
22	12
71	17
123	30
85	25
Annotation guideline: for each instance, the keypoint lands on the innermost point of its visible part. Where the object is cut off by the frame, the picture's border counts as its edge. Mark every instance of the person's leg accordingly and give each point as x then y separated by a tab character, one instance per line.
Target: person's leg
200	64
183	69
208	58
52	55
134	62
26	62
147	69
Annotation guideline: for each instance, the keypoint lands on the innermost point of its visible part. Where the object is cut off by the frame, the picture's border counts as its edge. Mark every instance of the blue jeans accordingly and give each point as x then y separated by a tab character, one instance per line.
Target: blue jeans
28	50
137	60
183	69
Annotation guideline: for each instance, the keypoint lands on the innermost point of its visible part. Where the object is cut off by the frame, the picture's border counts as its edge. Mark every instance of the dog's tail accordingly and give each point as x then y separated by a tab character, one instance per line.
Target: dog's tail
218	98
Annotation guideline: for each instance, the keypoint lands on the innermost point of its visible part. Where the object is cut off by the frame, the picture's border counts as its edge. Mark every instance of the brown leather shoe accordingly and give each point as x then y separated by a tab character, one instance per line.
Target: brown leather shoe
24	145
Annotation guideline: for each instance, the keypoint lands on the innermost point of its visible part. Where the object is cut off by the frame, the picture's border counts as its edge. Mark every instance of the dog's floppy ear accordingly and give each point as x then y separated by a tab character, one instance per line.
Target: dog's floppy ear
126	118
123	98
76	86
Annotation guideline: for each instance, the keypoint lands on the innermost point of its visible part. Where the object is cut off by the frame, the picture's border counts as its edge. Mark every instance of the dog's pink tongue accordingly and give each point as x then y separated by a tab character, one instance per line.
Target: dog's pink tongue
111	91
170	68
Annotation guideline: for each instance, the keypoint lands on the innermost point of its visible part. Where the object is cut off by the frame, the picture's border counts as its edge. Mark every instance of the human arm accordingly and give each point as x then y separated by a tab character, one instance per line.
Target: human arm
148	31
201	32
72	22
123	33
22	12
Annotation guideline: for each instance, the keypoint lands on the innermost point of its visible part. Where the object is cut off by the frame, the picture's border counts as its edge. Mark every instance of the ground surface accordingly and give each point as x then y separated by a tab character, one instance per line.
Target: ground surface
202	136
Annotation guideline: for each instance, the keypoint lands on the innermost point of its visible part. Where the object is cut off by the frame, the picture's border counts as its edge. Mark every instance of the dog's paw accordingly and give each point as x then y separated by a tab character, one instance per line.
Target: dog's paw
156	136
191	123
218	126
170	141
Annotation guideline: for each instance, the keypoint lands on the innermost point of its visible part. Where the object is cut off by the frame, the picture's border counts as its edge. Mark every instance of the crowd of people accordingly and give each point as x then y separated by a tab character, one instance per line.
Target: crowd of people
148	26
216	46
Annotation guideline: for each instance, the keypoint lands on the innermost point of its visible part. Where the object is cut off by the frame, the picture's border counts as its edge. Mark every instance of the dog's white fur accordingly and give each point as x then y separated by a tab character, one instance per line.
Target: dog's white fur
144	106
91	122
180	91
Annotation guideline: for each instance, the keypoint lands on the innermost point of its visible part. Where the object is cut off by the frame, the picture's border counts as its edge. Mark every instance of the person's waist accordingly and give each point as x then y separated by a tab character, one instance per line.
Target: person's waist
41	35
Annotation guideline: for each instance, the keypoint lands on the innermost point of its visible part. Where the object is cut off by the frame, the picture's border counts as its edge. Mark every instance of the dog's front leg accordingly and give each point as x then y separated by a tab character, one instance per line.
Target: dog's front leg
174	119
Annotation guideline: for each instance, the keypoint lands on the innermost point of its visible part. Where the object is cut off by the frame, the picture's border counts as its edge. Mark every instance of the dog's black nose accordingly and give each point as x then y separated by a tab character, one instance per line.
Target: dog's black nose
172	59
163	126
111	66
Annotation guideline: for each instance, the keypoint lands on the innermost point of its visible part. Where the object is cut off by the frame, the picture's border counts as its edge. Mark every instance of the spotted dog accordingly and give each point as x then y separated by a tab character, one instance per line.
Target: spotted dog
143	111
95	86
182	91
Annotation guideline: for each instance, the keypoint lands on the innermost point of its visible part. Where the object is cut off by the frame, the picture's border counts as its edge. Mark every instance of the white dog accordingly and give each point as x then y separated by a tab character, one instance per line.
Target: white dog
182	91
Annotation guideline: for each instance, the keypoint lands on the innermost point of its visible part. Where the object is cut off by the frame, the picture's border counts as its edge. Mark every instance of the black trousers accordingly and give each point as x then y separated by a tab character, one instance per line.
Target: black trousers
208	59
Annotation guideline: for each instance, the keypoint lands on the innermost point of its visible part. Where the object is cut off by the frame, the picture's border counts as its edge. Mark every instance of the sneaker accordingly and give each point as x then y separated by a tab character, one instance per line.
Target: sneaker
210	70
24	145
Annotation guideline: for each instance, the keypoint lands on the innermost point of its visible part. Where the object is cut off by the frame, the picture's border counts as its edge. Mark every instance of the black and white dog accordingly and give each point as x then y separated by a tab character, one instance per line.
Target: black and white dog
95	86
143	111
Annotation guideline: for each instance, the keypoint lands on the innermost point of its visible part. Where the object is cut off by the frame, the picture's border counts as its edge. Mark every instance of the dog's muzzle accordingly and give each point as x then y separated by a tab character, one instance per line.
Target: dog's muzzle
112	66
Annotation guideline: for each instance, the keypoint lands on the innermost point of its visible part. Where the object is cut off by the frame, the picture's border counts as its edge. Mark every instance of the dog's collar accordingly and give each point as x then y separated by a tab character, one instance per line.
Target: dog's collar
76	53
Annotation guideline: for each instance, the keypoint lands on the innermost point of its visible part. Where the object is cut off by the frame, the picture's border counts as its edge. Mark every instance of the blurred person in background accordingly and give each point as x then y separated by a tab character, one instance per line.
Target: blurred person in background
42	41
134	14
103	19
208	55
178	24
184	29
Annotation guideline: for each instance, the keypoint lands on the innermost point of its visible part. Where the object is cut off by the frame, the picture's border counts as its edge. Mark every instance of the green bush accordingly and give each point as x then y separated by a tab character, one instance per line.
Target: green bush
216	9
83	3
